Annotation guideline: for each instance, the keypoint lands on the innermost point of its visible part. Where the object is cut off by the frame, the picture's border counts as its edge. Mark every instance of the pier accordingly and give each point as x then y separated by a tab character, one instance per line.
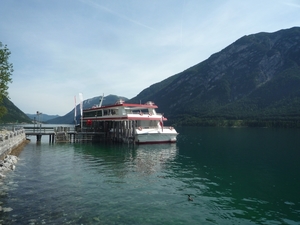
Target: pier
56	134
116	131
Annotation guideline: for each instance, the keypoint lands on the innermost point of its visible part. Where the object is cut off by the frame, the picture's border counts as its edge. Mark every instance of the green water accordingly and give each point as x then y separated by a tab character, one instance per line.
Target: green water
235	176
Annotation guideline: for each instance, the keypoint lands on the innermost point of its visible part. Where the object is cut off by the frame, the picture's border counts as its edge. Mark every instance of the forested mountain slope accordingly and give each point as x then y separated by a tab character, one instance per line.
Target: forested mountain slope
255	79
14	114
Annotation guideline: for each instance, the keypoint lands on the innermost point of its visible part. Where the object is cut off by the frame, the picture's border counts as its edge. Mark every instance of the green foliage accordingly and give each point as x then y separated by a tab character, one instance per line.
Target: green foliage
6	70
14	115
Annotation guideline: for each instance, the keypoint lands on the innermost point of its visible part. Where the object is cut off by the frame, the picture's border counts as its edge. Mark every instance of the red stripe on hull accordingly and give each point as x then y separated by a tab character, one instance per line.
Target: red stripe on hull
120	118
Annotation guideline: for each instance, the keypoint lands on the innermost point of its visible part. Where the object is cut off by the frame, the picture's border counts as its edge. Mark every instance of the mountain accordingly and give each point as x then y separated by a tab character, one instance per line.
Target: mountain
255	81
43	117
69	117
14	114
256	78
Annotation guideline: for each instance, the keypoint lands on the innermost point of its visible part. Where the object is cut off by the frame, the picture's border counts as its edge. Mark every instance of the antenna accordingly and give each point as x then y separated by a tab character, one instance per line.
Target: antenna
101	100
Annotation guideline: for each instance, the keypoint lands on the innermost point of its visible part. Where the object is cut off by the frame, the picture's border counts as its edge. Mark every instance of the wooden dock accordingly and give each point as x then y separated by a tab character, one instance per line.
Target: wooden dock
59	134
56	134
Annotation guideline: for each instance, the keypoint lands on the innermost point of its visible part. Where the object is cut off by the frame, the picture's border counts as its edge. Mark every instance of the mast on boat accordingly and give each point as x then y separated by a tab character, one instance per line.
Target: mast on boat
101	100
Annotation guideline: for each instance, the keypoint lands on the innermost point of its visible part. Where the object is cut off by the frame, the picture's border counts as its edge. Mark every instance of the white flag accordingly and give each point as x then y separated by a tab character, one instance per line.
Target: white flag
81	100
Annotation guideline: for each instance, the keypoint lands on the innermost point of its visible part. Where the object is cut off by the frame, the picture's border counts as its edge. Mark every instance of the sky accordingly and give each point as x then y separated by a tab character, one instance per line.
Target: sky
60	48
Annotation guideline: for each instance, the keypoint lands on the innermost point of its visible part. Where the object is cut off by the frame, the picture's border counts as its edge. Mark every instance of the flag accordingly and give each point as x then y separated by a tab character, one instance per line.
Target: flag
81	100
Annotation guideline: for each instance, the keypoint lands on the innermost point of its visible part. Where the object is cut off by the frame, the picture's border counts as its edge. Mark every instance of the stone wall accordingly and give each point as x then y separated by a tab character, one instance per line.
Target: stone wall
10	140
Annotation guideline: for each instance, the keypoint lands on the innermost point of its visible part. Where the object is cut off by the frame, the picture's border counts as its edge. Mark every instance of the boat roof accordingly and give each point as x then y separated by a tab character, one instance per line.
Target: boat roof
147	105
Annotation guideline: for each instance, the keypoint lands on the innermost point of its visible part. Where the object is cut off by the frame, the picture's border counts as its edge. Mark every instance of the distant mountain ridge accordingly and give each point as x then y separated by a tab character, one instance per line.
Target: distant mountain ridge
255	81
43	117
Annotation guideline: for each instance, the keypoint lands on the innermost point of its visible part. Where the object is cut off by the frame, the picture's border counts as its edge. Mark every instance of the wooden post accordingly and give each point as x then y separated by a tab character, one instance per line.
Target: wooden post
38	137
114	130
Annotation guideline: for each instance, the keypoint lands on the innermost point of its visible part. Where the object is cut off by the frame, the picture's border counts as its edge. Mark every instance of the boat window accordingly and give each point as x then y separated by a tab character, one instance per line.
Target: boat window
140	111
152	111
92	114
87	114
114	112
147	123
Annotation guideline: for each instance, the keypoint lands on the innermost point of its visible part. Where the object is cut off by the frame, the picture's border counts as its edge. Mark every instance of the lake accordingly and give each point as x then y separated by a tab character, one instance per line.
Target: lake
234	175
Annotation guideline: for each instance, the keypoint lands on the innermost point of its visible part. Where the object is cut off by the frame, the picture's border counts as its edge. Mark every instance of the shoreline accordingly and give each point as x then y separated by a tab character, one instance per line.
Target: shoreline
11	145
11	140
17	150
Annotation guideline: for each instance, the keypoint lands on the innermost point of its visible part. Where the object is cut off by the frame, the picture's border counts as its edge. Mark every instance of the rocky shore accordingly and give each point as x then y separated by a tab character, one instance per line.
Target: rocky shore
7	164
10	143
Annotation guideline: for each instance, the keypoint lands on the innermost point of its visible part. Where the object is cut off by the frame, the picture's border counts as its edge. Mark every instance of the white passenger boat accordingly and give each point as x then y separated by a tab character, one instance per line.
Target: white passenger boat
129	122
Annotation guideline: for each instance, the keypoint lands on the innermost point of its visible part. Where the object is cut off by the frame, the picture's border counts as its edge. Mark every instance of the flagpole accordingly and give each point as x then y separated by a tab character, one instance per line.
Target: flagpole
75	121
81	118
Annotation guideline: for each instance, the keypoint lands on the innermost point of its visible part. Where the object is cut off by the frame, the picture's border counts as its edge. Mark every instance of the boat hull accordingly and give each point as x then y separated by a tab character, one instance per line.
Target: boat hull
148	136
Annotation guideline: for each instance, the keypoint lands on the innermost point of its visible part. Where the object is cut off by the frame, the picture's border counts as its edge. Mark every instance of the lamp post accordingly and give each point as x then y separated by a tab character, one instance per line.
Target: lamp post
38	120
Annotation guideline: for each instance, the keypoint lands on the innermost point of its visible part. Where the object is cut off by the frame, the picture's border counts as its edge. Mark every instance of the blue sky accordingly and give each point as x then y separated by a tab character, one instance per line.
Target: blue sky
60	48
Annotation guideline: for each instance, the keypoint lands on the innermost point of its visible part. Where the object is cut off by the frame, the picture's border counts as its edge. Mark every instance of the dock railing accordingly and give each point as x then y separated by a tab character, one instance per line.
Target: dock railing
47	130
57	134
39	130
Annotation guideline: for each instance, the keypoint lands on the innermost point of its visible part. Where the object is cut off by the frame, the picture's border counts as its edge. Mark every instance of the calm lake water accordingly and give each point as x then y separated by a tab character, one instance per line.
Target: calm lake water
234	175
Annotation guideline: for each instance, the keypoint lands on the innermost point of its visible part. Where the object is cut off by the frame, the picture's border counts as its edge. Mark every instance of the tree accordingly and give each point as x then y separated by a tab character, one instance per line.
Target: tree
6	70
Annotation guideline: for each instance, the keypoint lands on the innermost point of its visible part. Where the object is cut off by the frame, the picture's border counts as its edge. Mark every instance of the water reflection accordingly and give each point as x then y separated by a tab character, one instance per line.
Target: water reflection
122	159
153	158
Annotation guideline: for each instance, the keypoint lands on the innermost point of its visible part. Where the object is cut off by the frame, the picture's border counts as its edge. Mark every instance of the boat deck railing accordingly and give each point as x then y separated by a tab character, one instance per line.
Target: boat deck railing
144	113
